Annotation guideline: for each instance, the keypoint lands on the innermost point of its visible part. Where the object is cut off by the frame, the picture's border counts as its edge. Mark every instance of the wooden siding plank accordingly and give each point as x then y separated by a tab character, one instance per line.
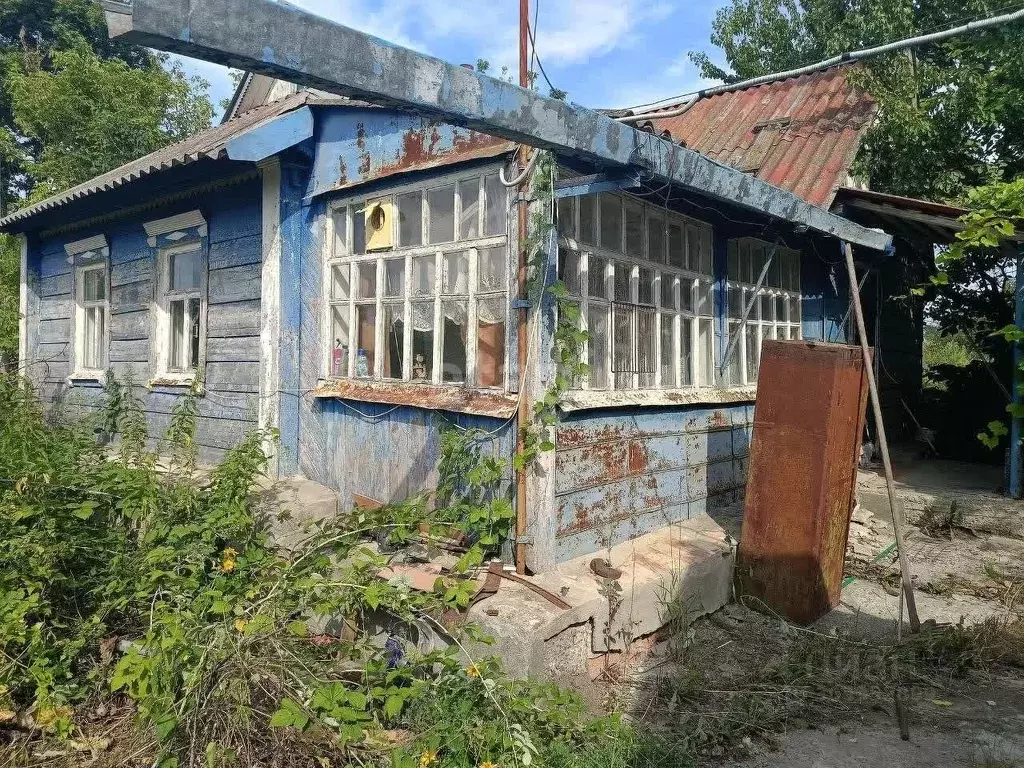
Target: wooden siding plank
57	285
54	265
233	349
129	326
233	377
52	331
241	318
131	297
235	284
56	307
236	253
134	351
138	270
54	352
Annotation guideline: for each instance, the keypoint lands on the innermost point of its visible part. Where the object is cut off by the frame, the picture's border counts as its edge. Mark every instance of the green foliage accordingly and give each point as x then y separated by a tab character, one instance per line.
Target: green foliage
10	277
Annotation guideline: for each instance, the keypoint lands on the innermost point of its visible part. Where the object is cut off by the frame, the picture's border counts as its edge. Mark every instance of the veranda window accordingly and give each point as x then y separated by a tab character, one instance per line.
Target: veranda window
431	307
774	314
643	278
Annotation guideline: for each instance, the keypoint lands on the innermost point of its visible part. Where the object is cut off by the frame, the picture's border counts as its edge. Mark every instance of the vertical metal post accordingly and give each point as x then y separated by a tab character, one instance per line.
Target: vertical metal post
883	445
1016	422
523	420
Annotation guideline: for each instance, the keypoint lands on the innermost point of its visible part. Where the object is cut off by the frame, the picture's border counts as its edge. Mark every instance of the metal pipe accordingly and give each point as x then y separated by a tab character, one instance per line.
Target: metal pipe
1016	422
523	414
846	58
680	110
883	445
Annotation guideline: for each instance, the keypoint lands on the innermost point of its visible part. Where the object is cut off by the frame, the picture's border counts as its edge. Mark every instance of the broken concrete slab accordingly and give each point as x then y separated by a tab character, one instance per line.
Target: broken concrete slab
293	505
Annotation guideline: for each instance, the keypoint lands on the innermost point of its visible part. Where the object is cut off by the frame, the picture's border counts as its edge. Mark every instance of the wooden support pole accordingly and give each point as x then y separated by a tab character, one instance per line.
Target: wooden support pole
883	445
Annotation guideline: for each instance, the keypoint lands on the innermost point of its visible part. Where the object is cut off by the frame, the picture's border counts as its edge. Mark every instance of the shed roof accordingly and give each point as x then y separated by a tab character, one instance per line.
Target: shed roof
801	134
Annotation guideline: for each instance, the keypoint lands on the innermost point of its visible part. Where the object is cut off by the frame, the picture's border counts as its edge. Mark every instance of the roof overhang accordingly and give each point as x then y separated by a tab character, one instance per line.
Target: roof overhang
920	220
280	40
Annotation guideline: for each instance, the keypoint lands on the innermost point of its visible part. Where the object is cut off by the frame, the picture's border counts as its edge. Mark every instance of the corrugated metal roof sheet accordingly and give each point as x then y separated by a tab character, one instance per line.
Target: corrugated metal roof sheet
801	134
210	144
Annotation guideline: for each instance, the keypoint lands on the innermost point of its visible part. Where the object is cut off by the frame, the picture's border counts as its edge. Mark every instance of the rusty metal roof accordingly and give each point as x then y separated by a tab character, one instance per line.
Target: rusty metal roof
801	134
209	144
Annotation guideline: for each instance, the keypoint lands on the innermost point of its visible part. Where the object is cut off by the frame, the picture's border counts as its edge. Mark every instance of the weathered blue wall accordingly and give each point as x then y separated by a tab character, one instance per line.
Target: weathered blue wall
234	245
826	293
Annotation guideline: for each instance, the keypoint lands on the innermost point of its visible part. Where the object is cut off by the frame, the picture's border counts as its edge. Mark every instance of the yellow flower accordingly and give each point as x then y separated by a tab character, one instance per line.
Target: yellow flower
228	562
241	624
473	671
428	758
487	764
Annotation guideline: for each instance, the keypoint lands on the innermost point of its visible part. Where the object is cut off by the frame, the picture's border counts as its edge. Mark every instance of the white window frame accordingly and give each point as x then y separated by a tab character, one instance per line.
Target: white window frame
746	257
162	320
698	268
344	258
79	369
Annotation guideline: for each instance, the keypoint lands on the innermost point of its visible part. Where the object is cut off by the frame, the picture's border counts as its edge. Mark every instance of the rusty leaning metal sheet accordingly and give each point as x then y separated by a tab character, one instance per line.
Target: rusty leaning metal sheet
808	424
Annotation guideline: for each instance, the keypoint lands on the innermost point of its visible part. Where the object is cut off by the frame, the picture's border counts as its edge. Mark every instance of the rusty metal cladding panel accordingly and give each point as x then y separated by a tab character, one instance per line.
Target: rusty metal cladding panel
808	422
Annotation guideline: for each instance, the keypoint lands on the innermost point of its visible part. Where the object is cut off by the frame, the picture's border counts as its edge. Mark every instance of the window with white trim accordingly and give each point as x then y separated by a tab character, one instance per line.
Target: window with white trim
181	301
92	311
424	298
775	314
643	278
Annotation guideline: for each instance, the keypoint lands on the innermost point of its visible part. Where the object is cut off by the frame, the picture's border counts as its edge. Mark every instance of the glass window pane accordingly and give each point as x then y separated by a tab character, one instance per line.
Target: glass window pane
732	369
735	302
794	272
705	250
340	275
423	271
676	246
177	354
750	268
774	278
366	279
634	230
611	222
491	273
340	218
693	247
646	345
622	343
686	294
656	238
184	270
394	344
194	314
588	219
668	350
422	321
597	281
496	220
339	341
567	217
781	309
794	332
569	270
454	335
394	277
366	338
410	219
490	341
767	307
92	338
668	291
441	213
358	230
469	218
597	345
455	278
753	348
737	253
623	273
706	353
94	285
686	351
705	299
645	286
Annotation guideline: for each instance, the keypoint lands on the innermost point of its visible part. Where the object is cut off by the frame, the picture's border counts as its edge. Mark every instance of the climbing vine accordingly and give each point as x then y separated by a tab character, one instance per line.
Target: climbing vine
569	337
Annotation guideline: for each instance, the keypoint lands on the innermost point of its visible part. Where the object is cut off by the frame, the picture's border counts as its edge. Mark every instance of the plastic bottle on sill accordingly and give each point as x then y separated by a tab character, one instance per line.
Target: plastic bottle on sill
339	359
362	364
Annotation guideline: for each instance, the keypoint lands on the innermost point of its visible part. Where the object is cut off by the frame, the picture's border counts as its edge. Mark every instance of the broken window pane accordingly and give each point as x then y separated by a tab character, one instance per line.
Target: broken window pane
469	218
597	345
394	345
366	338
490	341
422	321
496	220
686	351
656	238
394	277
340	218
611	222
454	334
569	270
597	281
358	231
623	272
455	278
410	219
588	219
567	217
423	271
668	291
645	286
441	213
185	270
339	341
676	246
668	350
491	273
366	272
340	281
634	230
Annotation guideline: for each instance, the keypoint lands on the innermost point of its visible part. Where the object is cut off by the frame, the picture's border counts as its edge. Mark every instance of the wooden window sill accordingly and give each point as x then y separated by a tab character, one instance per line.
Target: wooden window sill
583	400
431	397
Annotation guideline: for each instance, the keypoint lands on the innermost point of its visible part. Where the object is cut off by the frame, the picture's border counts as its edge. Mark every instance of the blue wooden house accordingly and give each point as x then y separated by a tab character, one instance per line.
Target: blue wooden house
347	274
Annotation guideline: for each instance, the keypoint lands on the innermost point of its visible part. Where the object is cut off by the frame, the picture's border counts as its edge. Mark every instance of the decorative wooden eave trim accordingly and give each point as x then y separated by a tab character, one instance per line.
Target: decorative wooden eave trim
177	227
89	247
431	397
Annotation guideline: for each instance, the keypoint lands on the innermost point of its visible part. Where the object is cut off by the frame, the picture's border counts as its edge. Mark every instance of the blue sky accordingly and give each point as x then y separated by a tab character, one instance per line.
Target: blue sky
605	53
